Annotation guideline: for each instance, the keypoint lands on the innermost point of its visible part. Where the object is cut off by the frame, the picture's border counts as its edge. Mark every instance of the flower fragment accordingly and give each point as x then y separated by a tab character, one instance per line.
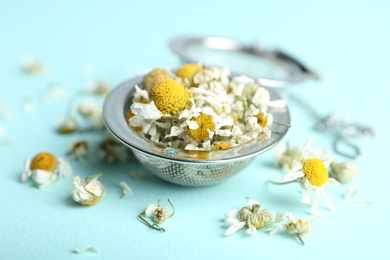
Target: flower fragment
87	248
158	213
285	155
31	65
87	192
297	226
126	189
68	126
43	169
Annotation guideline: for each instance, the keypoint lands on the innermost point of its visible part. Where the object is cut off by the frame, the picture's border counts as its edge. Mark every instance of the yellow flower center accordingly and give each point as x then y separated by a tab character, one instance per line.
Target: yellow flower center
261	120
154	77
315	170
220	146
44	161
170	96
204	122
188	71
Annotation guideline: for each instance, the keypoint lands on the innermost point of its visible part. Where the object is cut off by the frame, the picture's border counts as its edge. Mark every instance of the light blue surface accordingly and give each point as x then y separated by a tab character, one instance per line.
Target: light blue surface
346	41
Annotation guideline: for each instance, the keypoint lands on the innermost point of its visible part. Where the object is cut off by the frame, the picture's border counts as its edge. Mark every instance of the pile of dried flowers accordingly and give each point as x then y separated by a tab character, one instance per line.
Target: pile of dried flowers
201	109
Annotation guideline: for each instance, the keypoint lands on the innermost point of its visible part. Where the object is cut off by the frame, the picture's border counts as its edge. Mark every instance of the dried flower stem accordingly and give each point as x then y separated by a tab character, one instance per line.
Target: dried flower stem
278	183
173	208
280	123
300	238
154	225
93	176
245	103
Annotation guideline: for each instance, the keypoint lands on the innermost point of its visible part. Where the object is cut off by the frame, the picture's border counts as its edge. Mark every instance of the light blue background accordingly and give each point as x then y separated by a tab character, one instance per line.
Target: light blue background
346	41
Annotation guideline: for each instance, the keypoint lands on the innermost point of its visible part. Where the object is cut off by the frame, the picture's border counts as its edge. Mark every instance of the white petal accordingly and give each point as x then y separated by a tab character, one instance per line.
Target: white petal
86	248
252	202
192	125
142	93
274	229
252	229
232	214
126	188
327	200
280	103
146	111
175	131
95	187
306	196
278	217
26	172
332	181
316	202
149	212
328	161
292	176
64	168
233	228
290	215
307	148
232	221
296	166
43	178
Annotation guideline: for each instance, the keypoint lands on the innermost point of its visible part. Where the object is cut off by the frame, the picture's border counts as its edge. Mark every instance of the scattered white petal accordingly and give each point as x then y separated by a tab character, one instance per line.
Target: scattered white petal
350	193
126	188
87	248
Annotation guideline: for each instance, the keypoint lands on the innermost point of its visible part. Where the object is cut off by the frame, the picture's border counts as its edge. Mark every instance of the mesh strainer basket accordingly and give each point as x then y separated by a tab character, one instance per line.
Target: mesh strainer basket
183	167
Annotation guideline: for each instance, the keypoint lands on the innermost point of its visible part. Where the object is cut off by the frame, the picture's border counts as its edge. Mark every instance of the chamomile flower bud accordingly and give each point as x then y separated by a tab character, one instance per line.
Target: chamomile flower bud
158	213
255	215
43	169
345	171
154	77
79	150
68	126
87	192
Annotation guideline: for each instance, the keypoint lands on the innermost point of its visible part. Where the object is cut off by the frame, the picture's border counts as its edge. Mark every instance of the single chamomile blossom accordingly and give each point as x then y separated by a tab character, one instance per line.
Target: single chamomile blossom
312	174
252	216
87	192
79	150
43	169
285	155
158	213
85	108
297	226
100	87
345	171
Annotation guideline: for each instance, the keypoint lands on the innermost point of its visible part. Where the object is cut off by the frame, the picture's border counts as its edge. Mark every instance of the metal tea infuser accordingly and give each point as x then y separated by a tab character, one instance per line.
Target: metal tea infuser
276	70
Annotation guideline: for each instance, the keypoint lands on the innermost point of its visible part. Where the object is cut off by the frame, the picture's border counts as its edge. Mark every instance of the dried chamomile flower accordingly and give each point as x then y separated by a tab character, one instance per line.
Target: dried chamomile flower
345	171
312	174
170	96
67	127
110	150
284	156
188	71
154	77
43	169
252	216
30	65
87	192
158	213
79	150
126	189
297	226
220	146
